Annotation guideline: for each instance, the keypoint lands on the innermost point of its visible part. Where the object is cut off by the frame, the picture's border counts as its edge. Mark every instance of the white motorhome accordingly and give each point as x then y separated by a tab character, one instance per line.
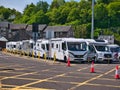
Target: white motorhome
27	47
18	46
41	48
98	50
62	48
115	51
11	46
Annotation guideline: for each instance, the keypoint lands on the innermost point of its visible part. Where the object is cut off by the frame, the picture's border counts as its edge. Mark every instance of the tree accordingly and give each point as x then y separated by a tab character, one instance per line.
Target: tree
114	13
57	3
29	10
39	18
101	16
41	5
106	1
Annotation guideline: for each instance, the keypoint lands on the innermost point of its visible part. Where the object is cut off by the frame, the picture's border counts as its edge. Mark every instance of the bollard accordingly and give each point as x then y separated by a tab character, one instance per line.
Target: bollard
38	54
45	56
28	53
54	57
33	54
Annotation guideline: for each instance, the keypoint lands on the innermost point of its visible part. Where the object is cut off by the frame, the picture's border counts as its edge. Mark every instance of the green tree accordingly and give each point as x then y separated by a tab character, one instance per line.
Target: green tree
114	13
39	18
41	5
101	16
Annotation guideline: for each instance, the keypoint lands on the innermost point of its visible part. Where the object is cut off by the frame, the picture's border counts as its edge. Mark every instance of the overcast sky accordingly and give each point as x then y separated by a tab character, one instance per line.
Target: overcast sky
20	4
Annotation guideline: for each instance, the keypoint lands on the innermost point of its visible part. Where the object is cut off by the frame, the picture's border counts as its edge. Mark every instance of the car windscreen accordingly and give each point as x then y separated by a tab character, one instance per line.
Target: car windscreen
77	46
102	48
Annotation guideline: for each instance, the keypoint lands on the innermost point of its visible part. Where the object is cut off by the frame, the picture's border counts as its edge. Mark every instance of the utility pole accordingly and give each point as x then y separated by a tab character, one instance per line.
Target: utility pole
92	26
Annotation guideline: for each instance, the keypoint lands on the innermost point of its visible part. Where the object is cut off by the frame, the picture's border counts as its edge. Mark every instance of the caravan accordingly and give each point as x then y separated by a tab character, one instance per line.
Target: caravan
62	48
98	50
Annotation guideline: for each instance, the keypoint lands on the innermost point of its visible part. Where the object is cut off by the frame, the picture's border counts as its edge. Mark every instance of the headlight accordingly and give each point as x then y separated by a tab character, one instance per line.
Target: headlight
100	54
71	55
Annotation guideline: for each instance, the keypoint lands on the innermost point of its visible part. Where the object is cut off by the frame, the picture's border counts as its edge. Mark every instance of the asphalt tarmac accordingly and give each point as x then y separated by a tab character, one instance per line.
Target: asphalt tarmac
27	73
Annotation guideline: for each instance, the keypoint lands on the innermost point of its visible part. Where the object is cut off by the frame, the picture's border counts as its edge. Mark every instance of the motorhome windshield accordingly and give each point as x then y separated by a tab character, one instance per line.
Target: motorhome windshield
76	46
102	48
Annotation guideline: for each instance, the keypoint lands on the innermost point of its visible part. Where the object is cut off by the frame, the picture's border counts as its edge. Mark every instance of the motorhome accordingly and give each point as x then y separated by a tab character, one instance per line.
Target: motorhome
27	47
18	46
41	48
98	50
64	48
11	46
115	51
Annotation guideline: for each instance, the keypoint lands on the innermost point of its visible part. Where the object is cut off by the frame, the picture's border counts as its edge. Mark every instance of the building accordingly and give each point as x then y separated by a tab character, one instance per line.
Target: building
109	38
58	32
17	32
3	41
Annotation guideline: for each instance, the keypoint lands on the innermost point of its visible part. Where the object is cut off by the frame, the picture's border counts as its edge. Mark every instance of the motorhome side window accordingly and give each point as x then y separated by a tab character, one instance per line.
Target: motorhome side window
91	48
43	46
31	45
47	45
63	46
56	45
37	44
52	45
14	46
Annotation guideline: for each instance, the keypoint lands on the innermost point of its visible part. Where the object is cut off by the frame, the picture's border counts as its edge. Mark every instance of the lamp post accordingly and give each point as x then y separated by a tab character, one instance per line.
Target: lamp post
92	26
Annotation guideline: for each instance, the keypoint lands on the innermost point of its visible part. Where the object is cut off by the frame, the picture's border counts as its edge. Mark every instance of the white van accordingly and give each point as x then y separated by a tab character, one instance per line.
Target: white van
62	48
41	48
98	50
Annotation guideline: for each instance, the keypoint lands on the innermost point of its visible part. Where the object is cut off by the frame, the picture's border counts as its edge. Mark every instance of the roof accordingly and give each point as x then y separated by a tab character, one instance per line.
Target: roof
17	26
58	28
4	24
41	27
3	39
68	39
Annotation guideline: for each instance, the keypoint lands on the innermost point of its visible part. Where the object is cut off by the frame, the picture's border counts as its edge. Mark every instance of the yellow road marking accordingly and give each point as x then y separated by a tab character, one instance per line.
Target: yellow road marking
103	85
39	81
17	75
83	83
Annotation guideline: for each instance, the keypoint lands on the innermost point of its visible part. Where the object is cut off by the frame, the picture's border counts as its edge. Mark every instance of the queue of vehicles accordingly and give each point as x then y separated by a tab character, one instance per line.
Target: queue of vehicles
77	49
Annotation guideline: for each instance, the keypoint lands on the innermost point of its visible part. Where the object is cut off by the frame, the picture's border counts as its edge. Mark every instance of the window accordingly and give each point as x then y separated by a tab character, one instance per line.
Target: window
56	45
63	46
37	44
52	45
43	46
47	46
91	48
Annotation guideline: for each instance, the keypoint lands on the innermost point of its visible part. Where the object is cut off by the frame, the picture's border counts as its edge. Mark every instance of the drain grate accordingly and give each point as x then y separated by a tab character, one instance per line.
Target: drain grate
7	69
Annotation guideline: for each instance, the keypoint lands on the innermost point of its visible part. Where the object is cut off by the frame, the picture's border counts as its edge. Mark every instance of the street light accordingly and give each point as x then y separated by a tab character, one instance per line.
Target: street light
92	26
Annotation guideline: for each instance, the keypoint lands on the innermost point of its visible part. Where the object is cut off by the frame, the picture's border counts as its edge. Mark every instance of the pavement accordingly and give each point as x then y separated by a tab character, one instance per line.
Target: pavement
27	73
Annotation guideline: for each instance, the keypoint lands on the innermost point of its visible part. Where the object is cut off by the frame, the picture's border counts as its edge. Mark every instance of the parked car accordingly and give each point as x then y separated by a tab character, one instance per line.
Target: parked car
114	49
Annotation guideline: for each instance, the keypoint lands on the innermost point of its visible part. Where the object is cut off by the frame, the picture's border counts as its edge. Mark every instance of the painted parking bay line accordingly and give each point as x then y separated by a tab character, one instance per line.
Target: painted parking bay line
85	82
